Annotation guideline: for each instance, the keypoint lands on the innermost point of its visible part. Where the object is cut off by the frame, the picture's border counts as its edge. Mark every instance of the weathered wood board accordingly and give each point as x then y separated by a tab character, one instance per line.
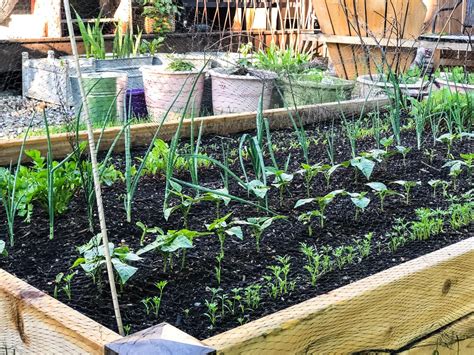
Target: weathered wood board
382	313
223	124
32	322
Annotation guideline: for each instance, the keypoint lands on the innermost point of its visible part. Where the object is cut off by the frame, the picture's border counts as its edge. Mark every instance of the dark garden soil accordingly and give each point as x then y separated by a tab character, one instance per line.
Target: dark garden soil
37	260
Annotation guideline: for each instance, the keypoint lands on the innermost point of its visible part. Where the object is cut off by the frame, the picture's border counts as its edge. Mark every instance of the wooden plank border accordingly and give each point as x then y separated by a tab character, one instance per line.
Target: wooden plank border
32	322
141	134
381	313
416	307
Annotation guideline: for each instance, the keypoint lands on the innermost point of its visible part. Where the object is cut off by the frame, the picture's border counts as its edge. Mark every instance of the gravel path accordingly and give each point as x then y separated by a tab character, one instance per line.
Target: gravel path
16	113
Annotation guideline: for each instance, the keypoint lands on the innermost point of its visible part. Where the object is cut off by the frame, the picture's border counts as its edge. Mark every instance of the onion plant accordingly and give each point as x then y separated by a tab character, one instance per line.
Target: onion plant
8	189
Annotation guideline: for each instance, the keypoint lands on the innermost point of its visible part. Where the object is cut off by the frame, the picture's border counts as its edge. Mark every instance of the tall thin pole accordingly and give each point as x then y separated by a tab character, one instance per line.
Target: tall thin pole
95	171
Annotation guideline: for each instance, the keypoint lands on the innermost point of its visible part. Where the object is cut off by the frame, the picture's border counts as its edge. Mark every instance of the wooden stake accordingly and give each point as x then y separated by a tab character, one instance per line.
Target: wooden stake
95	171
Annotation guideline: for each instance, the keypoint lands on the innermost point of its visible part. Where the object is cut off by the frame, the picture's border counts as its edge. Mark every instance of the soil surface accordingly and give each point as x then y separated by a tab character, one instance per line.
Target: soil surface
37	260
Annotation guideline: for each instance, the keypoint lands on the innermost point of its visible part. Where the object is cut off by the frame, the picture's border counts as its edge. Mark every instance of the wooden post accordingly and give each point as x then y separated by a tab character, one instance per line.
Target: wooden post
159	339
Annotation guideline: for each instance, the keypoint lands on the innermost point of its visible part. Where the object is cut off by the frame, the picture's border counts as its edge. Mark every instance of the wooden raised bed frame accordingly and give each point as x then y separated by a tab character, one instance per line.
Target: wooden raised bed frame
141	134
413	308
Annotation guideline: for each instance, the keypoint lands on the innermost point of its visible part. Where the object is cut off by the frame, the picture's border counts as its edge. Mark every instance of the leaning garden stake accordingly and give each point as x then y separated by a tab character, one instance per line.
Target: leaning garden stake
95	171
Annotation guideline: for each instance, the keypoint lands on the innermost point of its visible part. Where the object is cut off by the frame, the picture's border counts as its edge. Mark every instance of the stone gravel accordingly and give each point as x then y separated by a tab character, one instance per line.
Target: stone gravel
16	113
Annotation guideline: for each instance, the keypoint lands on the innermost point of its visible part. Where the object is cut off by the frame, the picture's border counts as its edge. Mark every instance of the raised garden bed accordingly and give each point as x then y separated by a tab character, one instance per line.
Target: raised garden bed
390	311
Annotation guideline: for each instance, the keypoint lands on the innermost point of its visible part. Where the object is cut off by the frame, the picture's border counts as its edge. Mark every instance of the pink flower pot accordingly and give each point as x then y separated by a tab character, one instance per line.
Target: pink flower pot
167	90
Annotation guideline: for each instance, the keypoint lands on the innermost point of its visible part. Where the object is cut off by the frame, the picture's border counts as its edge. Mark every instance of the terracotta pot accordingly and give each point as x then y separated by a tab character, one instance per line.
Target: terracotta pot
163	87
370	18
240	93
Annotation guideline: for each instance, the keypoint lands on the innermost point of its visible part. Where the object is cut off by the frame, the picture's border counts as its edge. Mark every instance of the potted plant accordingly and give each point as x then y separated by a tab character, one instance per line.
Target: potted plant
239	88
301	81
168	87
456	80
159	16
411	83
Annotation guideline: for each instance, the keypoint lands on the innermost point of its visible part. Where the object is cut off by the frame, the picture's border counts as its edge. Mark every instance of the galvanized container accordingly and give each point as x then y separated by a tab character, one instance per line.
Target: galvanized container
445	81
47	79
105	95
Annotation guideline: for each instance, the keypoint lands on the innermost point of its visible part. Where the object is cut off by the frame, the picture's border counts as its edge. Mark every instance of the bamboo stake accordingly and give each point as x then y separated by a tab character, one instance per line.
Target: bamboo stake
95	172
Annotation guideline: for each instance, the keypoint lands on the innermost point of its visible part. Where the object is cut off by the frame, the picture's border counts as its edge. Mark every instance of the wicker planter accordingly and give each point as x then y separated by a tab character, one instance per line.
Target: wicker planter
166	90
300	91
240	93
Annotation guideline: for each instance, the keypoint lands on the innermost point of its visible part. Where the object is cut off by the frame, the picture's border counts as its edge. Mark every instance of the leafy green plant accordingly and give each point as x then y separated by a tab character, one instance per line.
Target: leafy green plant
222	228
428	224
448	139
436	184
252	296
258	225
282	179
146	230
63	282
322	203
162	13
280	60
364	245
381	191
461	214
151	47
126	44
153	304
172	242
313	262
278	280
403	151
360	201
178	65
362	164
93	37
407	186
92	260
